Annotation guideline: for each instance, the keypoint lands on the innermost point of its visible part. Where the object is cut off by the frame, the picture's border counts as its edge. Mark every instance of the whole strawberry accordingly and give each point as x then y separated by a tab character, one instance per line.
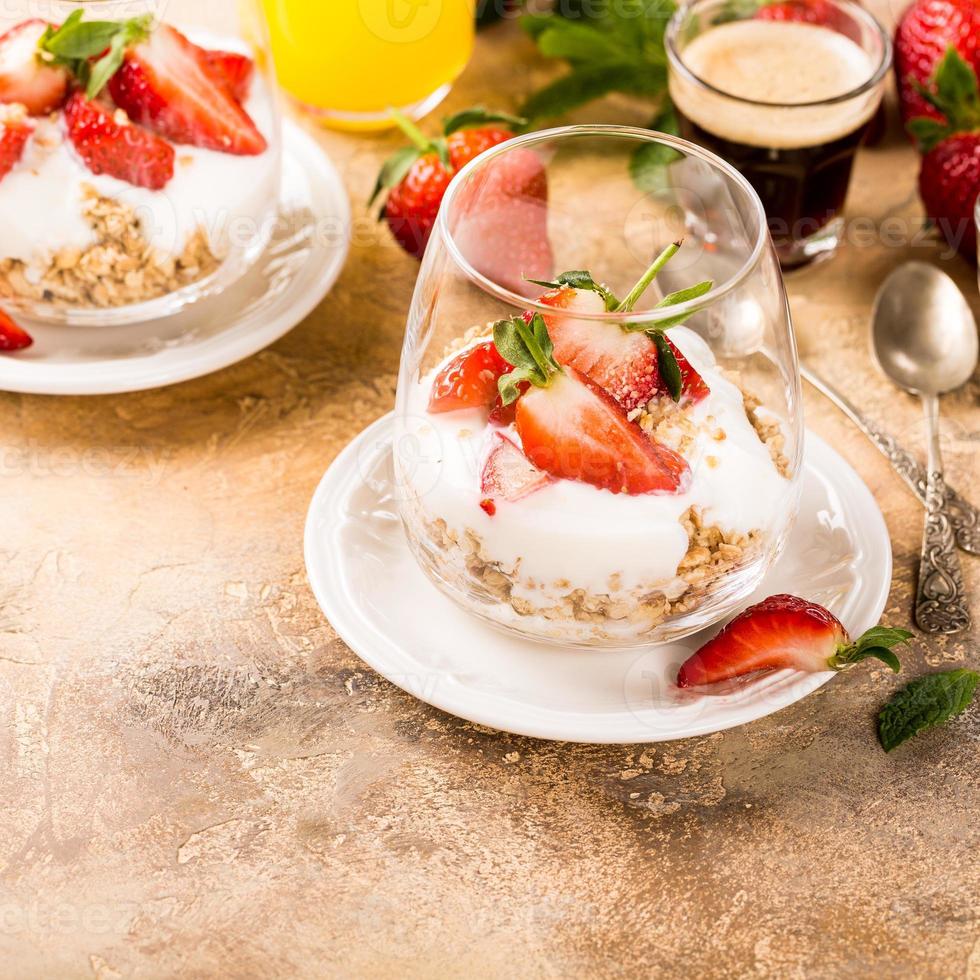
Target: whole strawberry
417	176
949	180
924	33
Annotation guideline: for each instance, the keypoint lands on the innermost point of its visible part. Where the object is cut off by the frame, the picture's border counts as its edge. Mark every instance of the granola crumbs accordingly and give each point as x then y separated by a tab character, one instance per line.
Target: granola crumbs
122	268
769	431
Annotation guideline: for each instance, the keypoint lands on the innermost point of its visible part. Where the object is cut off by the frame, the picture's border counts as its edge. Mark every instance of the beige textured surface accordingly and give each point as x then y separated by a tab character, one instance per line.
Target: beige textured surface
198	779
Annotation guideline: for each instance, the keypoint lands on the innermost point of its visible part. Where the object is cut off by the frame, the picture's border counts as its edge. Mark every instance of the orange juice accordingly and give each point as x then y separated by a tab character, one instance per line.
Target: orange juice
352	60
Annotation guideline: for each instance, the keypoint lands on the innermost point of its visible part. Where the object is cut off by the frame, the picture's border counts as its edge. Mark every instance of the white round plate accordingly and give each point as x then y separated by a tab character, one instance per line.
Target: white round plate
387	611
304	259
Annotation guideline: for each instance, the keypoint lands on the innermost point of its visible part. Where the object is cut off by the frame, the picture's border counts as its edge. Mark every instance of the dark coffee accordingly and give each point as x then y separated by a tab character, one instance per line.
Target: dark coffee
802	189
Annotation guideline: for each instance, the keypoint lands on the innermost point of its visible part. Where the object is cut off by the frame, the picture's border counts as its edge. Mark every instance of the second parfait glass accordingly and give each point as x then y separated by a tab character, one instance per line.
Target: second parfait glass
529	500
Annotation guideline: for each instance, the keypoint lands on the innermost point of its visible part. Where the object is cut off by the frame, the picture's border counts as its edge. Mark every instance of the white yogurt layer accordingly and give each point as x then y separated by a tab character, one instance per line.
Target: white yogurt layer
226	195
578	533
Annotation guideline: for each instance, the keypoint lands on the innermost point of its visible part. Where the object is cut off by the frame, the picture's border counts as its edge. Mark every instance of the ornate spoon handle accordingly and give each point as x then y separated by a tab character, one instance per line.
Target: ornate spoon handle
963	517
940	603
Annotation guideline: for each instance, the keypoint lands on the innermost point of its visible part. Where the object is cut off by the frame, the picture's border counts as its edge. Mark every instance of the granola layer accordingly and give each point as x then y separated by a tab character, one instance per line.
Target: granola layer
120	269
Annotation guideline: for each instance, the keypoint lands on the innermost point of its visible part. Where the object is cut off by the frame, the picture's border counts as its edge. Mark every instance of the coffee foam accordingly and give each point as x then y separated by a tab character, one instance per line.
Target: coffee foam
774	61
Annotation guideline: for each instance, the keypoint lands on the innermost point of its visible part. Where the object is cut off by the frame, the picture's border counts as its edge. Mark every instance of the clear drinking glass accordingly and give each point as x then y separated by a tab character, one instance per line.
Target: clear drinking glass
787	102
92	248
565	560
350	62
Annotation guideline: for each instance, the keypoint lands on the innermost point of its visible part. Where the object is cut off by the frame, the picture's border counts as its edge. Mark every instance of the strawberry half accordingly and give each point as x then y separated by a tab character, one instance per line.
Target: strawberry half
12	337
573	430
623	364
163	85
469	380
782	632
15	132
24	78
232	69
508	474
110	144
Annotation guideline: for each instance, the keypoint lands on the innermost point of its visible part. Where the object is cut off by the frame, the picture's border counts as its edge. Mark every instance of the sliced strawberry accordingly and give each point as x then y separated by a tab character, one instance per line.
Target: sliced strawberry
15	132
501	226
781	632
625	364
234	70
12	337
24	78
110	144
693	385
163	85
508	474
469	380
573	430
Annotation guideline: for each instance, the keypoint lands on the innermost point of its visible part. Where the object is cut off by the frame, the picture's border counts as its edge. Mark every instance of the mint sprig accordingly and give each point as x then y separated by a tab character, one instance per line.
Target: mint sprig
529	348
609	47
954	92
92	50
925	703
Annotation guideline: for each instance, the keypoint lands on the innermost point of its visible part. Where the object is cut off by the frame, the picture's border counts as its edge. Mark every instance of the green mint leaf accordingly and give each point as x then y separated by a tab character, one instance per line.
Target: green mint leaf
670	370
478	116
579	41
106	66
395	169
649	162
574	90
925	703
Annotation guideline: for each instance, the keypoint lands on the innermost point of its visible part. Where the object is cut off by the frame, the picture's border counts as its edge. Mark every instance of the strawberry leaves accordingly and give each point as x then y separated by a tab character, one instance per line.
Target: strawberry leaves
875	644
955	93
925	703
580	279
93	50
529	348
480	116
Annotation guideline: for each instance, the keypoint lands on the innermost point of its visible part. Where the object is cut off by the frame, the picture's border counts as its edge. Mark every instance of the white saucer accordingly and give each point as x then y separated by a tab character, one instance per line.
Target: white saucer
303	261
387	611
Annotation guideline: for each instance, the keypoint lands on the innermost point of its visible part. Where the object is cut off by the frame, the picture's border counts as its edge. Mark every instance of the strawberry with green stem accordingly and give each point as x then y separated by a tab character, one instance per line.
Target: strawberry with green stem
633	362
949	179
570	427
785	631
503	232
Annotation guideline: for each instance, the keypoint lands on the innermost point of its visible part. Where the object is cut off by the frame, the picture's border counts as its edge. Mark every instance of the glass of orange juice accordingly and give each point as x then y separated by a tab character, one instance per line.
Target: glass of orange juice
351	61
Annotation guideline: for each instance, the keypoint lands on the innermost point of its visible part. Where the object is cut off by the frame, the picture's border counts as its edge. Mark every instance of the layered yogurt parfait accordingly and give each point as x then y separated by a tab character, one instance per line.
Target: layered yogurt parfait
136	163
588	480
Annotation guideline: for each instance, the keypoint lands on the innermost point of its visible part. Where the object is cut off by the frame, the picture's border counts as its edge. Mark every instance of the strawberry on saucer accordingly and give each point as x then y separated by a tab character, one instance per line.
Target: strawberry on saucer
596	475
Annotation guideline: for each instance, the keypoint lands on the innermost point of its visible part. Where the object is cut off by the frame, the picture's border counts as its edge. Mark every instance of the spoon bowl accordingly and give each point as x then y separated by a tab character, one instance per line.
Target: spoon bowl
923	334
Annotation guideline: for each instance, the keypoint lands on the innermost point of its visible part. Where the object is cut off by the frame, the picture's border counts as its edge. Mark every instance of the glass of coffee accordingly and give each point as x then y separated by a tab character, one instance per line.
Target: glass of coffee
784	92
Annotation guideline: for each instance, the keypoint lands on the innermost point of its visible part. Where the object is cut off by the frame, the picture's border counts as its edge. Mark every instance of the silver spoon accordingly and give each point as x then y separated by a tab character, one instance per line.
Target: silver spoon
924	338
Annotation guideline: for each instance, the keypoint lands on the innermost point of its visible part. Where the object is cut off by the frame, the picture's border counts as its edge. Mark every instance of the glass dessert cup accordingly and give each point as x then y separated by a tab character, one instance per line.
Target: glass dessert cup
595	510
119	211
792	125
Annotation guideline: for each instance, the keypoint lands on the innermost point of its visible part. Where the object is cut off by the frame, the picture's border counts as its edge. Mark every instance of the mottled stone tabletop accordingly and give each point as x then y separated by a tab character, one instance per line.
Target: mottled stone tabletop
199	779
